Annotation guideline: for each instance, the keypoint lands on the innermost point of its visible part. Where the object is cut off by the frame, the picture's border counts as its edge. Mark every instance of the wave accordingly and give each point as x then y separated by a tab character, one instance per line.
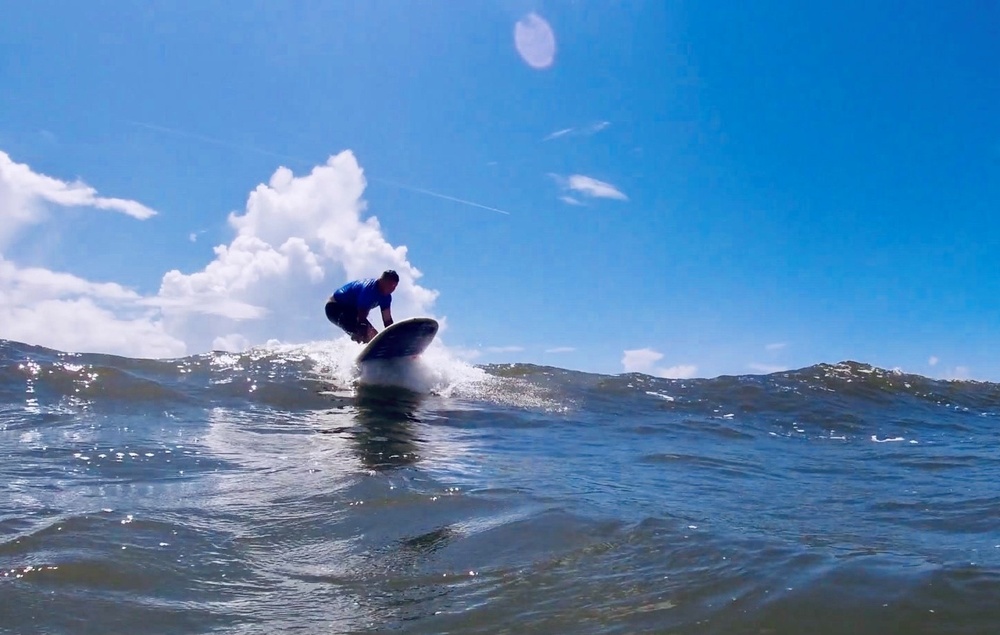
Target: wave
304	376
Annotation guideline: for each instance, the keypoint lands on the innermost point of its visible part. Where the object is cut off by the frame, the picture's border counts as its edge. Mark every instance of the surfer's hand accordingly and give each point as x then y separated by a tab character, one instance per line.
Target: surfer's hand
370	333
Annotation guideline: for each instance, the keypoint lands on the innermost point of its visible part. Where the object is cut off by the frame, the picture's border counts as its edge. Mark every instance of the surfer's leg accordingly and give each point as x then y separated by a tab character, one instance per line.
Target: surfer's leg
342	316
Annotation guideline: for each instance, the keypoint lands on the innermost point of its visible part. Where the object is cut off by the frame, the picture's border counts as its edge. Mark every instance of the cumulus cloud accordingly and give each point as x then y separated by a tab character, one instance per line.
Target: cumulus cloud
640	360
26	197
561	349
298	239
643	360
588	186
63	311
535	42
230	342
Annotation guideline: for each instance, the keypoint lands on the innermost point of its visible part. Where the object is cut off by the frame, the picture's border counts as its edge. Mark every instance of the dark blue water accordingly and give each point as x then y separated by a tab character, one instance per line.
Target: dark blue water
278	491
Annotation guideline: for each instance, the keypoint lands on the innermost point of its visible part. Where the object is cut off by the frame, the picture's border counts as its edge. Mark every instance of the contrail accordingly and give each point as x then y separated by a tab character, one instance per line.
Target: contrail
443	196
214	141
236	146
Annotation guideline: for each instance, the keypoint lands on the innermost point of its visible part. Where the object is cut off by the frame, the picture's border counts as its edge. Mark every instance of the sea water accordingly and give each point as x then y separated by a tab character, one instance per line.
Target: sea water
282	490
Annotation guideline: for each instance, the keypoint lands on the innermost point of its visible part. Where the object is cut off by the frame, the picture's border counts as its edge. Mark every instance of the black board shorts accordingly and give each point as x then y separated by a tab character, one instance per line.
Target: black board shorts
344	316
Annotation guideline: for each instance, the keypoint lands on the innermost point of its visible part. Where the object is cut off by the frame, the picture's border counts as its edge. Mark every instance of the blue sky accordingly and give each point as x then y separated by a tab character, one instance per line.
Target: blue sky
683	189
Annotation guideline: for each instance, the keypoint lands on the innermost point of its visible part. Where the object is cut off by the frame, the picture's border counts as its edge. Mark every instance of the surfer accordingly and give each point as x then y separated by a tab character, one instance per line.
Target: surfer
348	307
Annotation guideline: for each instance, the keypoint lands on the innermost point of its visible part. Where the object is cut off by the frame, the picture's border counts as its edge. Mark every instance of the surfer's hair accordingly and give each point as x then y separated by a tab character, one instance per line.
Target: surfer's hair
389	274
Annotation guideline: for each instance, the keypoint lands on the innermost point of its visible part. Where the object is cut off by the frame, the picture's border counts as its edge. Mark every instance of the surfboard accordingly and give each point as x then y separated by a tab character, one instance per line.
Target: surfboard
407	338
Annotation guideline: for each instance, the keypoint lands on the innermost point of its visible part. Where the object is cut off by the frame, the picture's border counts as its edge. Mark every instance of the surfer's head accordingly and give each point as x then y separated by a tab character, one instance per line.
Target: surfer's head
387	281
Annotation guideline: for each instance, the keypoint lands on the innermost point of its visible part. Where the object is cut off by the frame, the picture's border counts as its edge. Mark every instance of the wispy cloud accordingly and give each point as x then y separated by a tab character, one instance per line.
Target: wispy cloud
597	127
643	360
586	186
583	131
25	195
933	361
560	349
589	186
559	133
777	346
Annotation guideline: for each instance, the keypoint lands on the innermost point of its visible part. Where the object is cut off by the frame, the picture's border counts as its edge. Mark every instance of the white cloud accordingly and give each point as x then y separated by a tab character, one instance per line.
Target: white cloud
777	346
584	131
25	197
640	360
561	349
559	133
644	360
232	343
298	239
592	187
588	186
58	309
569	200
932	361
62	311
594	128
535	42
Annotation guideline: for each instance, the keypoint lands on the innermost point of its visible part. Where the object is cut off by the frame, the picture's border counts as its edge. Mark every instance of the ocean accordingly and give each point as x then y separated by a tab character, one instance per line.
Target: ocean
277	491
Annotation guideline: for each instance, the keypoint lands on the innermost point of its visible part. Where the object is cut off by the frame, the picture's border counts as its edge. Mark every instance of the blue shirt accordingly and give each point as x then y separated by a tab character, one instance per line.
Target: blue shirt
362	294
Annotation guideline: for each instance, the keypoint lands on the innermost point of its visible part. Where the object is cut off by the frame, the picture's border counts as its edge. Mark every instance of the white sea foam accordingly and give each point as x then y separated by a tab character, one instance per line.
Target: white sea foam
887	440
437	370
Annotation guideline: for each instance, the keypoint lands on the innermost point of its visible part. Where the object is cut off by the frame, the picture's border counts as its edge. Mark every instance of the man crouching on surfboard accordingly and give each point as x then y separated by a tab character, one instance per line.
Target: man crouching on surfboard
348	307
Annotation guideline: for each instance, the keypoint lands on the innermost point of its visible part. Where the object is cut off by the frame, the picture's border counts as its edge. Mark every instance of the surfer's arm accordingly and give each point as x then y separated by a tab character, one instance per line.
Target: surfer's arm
386	317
